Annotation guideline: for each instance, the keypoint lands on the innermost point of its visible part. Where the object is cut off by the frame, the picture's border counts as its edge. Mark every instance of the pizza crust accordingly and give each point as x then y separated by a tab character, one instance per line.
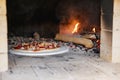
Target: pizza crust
45	50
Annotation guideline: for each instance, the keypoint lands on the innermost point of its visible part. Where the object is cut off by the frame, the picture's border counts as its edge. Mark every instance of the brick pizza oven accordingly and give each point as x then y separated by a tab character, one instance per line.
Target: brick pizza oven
109	19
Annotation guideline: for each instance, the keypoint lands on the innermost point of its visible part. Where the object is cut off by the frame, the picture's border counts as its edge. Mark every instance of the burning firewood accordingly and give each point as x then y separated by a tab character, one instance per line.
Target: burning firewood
78	40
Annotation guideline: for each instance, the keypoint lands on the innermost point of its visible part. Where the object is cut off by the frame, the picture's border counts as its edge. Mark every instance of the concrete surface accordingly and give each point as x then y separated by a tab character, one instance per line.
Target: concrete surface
69	66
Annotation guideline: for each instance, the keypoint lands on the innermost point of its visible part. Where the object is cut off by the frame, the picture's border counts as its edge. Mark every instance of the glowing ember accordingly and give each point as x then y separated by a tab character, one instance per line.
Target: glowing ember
76	28
94	30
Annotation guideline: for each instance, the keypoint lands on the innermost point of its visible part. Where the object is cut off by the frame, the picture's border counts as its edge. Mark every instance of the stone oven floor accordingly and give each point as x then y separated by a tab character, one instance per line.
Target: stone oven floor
68	66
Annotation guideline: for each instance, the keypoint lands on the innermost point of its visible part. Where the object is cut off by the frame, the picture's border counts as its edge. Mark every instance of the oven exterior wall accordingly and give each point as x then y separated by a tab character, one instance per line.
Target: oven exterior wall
106	29
3	37
116	32
106	45
110	31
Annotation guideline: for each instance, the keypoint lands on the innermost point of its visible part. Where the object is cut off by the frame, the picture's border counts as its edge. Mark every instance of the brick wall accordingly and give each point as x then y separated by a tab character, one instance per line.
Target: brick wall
3	37
116	33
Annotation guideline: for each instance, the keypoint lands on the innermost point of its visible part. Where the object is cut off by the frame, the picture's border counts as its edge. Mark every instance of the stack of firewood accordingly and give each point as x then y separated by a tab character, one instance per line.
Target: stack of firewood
85	40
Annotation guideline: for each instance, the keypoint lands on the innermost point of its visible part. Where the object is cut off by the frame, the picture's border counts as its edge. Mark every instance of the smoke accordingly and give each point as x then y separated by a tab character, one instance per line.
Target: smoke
69	12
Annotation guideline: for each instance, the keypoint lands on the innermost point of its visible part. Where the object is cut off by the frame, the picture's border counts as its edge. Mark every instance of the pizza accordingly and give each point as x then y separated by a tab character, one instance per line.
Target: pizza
36	46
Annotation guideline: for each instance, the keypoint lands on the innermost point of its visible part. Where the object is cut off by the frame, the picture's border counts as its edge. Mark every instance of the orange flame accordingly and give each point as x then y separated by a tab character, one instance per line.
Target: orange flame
94	30
75	28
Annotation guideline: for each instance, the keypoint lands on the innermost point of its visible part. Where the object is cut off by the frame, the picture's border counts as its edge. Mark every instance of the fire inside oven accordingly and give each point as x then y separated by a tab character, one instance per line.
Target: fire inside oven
75	23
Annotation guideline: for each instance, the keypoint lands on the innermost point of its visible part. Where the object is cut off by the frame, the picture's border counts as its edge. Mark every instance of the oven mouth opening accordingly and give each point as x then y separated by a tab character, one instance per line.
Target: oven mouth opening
50	20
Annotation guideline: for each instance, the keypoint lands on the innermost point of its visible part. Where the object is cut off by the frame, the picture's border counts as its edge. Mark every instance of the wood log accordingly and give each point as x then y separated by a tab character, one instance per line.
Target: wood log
36	36
89	36
78	40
